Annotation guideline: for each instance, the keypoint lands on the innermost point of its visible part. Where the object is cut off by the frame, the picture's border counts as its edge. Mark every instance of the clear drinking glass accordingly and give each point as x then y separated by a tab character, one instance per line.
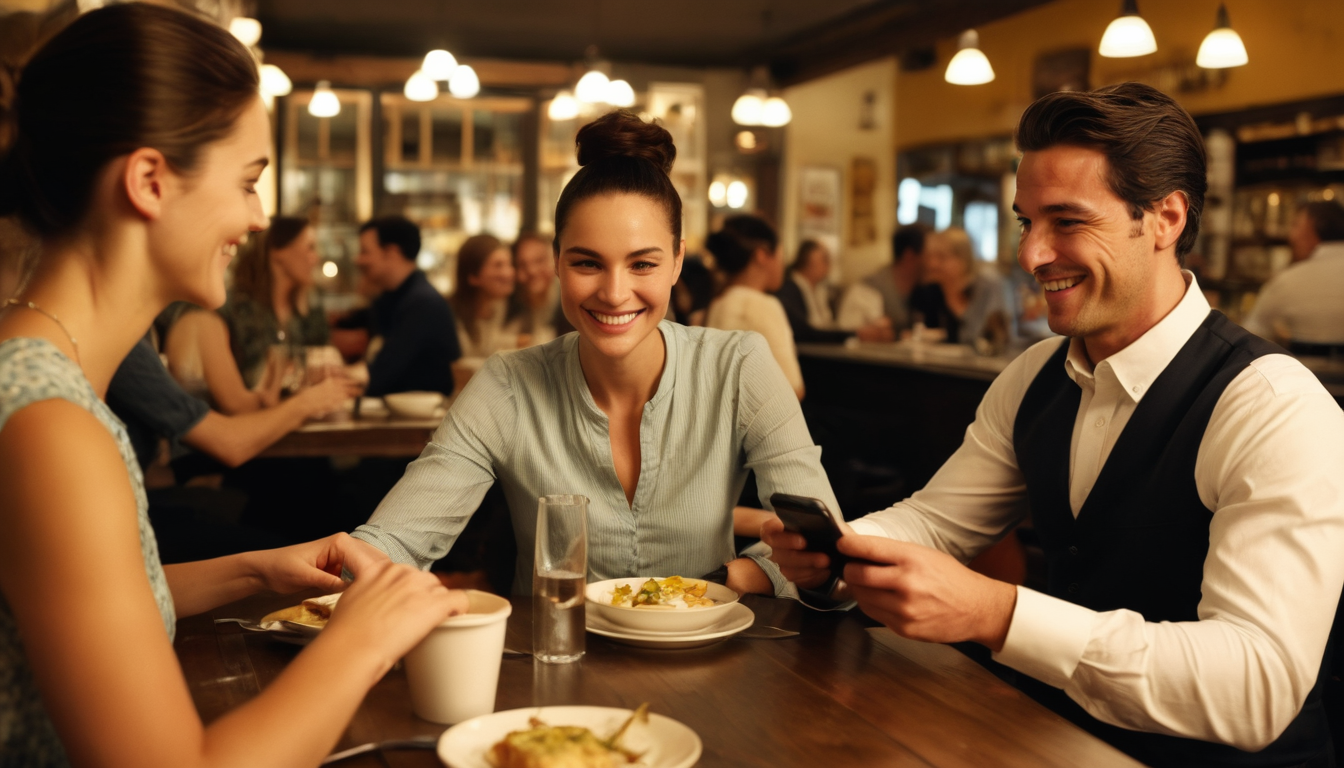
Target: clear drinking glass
558	577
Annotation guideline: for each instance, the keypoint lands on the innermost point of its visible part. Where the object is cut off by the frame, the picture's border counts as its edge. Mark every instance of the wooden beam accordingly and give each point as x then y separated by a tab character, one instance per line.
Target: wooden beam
380	72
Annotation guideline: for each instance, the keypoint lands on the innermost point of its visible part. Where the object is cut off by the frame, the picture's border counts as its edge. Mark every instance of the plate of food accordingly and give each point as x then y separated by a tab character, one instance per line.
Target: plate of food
574	737
660	604
737	618
295	624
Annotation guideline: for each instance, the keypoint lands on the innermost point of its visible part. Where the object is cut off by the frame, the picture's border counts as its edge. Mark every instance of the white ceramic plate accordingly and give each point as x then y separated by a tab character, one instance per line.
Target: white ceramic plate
739	617
665	742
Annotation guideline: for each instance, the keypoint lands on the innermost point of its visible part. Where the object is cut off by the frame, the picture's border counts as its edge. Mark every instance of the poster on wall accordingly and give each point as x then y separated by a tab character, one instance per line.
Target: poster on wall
819	205
862	215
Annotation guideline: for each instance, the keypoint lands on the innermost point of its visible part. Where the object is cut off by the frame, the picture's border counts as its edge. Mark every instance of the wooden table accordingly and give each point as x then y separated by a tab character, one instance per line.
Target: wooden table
347	435
839	694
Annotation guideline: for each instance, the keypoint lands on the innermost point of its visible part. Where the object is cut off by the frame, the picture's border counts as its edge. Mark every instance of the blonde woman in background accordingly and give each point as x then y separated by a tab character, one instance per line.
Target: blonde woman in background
957	296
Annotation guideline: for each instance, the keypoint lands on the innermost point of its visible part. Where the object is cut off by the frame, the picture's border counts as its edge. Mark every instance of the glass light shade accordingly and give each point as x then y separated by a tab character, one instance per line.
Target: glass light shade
248	31
737	194
969	67
620	94
324	102
775	112
592	87
718	193
563	107
1221	49
464	84
438	65
748	108
1127	36
421	87
274	81
330	269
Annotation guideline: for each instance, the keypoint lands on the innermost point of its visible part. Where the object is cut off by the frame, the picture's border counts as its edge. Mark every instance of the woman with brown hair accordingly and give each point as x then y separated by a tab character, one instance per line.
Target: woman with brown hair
485	281
135	209
230	357
657	423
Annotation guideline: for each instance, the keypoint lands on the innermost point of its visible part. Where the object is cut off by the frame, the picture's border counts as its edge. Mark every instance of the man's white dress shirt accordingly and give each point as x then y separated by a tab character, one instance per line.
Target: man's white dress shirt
1270	466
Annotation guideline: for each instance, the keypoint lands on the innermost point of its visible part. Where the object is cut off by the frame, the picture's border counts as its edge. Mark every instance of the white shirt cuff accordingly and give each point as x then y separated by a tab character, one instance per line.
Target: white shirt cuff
1046	637
865	527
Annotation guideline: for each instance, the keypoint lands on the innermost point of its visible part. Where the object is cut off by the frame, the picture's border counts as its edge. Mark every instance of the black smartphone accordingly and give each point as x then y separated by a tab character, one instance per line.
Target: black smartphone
818	524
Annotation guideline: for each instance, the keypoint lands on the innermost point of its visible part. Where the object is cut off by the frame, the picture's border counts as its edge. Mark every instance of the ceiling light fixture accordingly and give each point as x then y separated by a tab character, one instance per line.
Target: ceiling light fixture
969	66
620	94
324	102
748	108
757	107
464	84
421	87
248	31
1128	35
1222	48
438	64
775	112
563	107
274	82
592	87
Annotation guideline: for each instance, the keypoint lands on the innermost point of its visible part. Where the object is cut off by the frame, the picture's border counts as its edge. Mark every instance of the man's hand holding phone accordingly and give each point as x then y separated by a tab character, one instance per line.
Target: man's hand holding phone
803	540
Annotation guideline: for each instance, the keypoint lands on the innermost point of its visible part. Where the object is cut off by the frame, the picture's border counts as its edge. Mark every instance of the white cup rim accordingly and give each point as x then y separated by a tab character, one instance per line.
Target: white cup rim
489	608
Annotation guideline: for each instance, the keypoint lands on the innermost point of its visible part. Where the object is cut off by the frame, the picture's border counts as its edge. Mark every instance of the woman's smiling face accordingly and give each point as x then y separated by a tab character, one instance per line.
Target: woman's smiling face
617	267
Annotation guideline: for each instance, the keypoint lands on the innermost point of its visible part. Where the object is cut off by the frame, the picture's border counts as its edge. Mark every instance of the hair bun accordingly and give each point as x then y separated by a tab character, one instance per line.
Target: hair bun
621	133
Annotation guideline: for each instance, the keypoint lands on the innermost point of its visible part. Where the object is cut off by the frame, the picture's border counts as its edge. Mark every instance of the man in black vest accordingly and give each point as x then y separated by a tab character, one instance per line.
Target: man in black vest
1183	475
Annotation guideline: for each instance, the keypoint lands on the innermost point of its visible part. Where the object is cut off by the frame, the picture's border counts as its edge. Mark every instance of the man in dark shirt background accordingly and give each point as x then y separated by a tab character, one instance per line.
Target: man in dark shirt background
413	322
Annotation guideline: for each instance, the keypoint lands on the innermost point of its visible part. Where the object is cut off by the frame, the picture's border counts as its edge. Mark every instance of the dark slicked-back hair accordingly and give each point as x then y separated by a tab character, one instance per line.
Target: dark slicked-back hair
395	230
1151	144
908	238
1327	218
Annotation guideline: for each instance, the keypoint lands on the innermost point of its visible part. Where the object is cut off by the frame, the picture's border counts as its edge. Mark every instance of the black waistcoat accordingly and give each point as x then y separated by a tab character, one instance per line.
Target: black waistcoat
1140	539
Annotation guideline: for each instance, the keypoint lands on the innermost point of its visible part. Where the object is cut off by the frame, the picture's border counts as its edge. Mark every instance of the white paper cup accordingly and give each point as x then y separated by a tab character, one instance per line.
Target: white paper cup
454	671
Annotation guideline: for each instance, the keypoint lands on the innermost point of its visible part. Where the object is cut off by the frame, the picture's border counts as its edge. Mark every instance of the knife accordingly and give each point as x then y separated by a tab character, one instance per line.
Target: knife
762	632
419	742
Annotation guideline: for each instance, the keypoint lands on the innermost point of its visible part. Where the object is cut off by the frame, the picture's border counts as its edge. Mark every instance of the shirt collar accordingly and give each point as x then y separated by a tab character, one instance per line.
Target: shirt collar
1138	365
1331	249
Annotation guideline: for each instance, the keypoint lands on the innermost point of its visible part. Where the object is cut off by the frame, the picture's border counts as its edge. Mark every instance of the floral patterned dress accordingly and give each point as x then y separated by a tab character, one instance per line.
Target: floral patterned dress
32	370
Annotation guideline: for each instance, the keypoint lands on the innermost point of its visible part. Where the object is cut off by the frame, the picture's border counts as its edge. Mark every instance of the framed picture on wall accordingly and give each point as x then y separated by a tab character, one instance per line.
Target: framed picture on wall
862	216
819	200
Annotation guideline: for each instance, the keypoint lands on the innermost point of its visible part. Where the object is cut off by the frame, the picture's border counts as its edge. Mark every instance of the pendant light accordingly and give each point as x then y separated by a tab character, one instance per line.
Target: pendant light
775	112
969	66
748	108
592	87
421	87
563	107
324	102
464	84
274	81
1128	35
1222	47
438	64
248	31
620	94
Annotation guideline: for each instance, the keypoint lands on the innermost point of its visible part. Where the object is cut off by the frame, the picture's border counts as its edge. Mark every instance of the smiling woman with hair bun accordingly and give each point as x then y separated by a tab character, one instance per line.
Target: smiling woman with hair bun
656	423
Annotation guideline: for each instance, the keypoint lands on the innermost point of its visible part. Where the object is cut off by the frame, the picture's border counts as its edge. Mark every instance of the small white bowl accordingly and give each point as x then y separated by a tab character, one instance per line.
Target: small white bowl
654	619
413	405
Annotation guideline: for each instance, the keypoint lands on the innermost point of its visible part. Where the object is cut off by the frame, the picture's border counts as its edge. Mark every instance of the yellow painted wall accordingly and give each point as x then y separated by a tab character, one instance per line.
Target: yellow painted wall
1296	50
825	132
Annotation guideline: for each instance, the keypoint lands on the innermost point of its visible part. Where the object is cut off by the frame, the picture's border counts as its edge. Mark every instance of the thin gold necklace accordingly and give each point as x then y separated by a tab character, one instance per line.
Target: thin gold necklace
33	306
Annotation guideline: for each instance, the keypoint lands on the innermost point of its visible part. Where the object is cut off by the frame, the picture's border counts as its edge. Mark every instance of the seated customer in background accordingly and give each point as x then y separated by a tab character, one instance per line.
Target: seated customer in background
657	423
231	357
806	296
886	292
693	292
1182	474
746	250
535	303
154	407
1303	306
957	295
414	337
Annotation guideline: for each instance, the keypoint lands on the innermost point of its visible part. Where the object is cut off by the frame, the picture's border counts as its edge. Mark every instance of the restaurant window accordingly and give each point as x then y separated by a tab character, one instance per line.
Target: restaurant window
455	168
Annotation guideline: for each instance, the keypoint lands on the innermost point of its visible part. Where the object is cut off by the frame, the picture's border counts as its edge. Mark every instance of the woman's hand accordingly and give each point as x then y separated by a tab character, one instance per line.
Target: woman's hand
805	568
316	564
390	607
328	396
